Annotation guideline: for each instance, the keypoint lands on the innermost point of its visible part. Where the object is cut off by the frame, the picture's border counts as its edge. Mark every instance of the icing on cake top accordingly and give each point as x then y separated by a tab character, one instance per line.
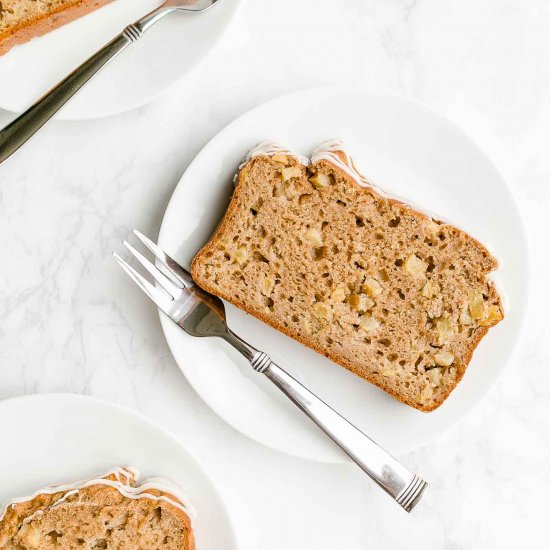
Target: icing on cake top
269	149
179	499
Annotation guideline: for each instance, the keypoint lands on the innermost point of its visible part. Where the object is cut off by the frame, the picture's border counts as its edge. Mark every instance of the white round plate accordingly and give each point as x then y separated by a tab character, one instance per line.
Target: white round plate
164	55
406	149
63	437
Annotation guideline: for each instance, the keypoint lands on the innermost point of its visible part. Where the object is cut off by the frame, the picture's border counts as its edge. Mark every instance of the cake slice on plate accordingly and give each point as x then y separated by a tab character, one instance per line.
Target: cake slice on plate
21	20
110	512
385	290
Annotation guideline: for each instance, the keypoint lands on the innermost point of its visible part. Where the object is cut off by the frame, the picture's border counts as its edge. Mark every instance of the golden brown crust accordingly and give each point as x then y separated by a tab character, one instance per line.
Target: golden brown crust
273	321
44	23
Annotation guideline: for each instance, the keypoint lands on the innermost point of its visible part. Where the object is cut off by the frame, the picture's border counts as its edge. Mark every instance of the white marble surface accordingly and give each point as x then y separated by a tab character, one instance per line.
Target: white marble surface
72	323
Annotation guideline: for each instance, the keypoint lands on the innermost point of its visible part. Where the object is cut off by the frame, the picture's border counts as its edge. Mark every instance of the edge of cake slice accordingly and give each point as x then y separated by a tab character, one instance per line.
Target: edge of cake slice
106	512
22	20
382	289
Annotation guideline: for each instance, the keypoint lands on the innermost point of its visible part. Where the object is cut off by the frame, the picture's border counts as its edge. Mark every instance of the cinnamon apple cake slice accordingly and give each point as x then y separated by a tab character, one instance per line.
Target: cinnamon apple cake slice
21	20
386	291
110	512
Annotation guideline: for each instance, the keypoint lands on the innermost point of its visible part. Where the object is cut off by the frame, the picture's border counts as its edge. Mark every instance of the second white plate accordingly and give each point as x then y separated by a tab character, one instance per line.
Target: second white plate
170	50
406	149
58	438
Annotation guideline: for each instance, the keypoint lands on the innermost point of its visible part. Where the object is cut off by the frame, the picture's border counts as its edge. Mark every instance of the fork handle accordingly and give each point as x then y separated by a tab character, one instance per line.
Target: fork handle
15	134
399	482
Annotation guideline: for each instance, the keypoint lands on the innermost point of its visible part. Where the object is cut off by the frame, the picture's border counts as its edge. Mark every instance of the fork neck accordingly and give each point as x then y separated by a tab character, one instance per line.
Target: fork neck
147	21
250	352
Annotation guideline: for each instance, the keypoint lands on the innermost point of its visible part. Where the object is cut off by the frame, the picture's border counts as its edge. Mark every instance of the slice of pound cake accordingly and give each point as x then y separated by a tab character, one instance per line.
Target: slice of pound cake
21	20
395	296
110	512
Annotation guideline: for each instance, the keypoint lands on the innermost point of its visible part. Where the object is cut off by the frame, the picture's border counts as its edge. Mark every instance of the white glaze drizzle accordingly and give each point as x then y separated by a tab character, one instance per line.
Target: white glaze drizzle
179	499
269	149
329	150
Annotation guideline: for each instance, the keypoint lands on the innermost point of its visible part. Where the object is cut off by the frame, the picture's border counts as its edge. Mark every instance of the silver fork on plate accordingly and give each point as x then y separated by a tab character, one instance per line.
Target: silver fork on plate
201	314
15	134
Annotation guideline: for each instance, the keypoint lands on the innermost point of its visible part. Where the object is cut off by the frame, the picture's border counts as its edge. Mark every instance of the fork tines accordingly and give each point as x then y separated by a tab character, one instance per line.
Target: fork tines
171	277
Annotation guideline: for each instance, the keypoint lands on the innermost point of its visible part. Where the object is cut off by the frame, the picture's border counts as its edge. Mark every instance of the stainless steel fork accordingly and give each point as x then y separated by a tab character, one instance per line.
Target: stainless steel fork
15	134
201	314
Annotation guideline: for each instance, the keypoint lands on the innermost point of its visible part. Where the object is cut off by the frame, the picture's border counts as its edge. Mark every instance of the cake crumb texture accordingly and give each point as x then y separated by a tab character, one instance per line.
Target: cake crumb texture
380	288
